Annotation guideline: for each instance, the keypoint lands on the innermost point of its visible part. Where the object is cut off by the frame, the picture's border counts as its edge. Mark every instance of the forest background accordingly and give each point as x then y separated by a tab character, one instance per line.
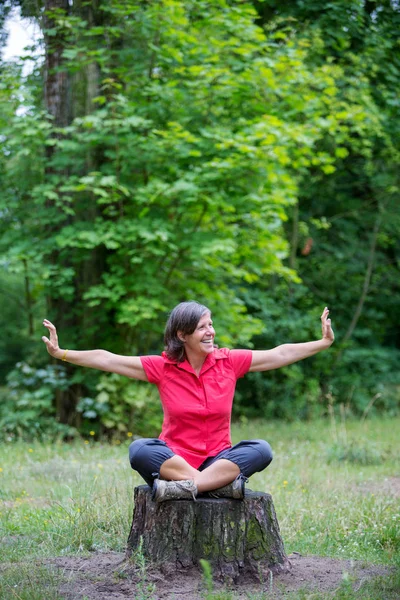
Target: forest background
243	154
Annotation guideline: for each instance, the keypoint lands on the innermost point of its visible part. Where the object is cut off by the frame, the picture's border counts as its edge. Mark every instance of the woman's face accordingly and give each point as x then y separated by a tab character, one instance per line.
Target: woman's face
201	341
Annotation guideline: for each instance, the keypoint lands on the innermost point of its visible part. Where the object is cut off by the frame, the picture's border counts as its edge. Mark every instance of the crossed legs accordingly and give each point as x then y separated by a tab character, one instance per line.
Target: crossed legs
215	476
152	458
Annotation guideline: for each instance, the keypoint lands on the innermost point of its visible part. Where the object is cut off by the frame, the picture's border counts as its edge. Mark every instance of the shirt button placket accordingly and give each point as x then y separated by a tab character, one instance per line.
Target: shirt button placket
205	409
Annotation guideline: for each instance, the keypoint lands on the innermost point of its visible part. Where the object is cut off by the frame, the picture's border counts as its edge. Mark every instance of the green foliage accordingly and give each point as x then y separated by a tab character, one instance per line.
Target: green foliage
15	341
120	406
241	154
364	379
124	406
234	156
27	409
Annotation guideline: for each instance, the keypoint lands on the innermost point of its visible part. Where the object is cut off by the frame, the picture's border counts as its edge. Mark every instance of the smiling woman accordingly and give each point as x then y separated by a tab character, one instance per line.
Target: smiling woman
196	381
186	320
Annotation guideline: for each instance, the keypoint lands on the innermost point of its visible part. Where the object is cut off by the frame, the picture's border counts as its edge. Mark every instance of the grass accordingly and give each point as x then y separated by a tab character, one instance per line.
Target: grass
23	582
323	505
327	481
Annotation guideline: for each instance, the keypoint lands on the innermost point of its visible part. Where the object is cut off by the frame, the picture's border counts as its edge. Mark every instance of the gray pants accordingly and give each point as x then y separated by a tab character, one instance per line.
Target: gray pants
146	456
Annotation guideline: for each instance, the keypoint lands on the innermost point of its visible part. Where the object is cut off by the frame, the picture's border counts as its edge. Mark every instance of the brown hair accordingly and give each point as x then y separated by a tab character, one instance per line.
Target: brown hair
184	318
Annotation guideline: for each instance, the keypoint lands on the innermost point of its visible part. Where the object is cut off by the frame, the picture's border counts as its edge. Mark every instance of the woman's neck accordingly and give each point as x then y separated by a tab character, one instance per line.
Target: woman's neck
196	361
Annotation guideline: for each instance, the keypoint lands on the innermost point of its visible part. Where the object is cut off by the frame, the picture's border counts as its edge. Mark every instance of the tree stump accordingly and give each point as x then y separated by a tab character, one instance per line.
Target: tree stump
234	536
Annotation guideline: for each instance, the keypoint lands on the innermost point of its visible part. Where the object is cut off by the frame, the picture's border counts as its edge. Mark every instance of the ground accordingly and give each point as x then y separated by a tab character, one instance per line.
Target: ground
109	577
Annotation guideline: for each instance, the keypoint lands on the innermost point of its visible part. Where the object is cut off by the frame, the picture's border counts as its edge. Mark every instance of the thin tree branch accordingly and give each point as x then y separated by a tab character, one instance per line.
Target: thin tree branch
182	251
365	288
367	280
28	297
294	242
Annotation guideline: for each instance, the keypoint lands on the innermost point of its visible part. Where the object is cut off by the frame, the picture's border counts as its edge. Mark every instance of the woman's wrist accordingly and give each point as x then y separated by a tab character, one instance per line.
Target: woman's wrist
64	356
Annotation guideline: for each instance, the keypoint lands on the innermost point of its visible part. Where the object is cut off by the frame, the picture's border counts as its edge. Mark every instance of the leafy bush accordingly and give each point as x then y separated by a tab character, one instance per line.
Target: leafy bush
122	406
365	380
27	407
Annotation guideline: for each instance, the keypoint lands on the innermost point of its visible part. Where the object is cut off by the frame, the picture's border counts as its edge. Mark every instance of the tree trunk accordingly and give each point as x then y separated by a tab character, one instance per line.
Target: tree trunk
234	536
57	100
68	95
56	88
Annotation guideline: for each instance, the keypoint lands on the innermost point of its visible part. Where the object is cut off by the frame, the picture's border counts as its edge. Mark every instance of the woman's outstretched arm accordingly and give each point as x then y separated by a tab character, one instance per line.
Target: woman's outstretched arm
286	354
131	366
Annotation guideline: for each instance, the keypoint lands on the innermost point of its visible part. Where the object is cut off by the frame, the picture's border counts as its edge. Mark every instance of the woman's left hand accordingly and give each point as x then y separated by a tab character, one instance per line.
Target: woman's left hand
327	331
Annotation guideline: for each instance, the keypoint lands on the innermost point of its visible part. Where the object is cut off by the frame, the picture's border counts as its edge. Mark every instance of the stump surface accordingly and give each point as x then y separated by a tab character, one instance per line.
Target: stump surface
235	536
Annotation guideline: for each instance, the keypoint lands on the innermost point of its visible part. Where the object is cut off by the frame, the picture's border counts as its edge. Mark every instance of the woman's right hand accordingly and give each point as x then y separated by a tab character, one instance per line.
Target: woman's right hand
52	344
130	366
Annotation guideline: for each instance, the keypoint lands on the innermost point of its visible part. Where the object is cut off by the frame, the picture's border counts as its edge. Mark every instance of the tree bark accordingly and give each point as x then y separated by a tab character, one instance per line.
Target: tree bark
56	86
235	536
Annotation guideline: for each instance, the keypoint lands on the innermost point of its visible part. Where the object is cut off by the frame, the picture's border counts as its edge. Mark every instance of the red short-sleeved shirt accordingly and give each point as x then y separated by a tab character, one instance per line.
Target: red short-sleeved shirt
197	409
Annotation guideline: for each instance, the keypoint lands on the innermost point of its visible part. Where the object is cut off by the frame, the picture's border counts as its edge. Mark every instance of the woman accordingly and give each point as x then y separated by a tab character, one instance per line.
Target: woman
196	382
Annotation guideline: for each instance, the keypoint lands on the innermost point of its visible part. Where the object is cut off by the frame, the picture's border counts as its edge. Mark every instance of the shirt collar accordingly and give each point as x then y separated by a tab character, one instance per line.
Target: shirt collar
185	365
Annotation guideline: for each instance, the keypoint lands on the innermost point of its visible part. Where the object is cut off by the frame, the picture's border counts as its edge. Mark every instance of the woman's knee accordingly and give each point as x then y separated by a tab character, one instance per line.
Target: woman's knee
266	452
135	448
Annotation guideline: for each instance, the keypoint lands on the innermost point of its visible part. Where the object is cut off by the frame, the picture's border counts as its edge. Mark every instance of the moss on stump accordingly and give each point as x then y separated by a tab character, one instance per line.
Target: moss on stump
235	536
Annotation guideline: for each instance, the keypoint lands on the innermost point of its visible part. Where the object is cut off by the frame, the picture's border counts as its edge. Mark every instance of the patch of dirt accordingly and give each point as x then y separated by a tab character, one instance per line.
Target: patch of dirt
390	486
108	576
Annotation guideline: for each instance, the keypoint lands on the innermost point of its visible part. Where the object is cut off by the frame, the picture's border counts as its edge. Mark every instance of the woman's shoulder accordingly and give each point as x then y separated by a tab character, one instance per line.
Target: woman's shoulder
240	360
153	364
221	353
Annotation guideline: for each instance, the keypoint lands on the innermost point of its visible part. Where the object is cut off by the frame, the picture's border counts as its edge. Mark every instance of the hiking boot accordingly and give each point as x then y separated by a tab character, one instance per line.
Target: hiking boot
232	490
173	490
